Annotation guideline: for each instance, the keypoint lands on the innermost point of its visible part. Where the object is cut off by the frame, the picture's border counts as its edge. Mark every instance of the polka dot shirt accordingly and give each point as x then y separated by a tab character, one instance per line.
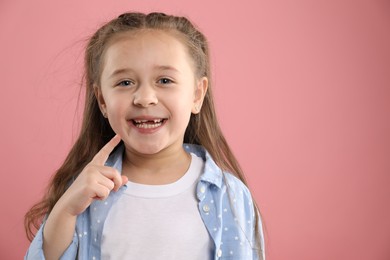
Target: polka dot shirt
224	203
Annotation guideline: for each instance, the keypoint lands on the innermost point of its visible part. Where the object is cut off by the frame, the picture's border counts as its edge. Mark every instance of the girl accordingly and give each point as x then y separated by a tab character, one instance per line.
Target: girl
151	175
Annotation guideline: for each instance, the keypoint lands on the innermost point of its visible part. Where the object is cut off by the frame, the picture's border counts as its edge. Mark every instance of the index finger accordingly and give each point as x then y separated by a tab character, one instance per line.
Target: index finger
101	157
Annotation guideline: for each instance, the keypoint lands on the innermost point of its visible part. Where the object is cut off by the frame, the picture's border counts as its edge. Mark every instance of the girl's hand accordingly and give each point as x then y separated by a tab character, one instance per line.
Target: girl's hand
95	182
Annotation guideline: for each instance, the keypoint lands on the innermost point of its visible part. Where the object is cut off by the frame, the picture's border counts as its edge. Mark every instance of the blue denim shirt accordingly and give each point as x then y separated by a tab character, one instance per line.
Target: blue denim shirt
225	206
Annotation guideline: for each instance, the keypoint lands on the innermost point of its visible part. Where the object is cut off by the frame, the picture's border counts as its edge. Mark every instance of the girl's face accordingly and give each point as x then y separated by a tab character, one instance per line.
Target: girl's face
148	90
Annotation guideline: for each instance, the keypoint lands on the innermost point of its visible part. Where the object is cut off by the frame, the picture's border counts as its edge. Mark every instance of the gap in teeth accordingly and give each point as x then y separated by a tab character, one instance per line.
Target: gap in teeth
148	126
145	121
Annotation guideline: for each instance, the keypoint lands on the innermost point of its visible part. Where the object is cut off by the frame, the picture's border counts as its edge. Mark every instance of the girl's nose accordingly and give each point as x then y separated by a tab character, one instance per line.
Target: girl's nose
145	96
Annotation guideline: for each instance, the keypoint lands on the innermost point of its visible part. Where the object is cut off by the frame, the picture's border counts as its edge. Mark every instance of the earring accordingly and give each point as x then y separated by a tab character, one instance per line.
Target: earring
104	114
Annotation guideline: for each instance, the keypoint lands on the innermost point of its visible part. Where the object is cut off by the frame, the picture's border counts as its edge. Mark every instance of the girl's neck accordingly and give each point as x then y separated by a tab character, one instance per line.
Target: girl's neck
158	169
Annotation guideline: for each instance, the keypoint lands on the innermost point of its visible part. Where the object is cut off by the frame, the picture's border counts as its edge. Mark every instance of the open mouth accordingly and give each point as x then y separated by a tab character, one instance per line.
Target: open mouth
148	124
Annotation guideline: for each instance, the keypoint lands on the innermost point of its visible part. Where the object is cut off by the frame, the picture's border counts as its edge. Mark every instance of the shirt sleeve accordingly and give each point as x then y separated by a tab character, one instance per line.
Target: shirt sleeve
258	246
245	211
35	251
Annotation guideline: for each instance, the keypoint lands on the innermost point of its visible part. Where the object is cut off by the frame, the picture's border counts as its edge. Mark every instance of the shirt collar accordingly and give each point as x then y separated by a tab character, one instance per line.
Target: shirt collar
212	173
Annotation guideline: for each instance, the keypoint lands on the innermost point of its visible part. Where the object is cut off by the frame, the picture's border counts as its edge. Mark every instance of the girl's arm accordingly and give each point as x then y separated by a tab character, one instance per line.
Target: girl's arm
95	182
58	232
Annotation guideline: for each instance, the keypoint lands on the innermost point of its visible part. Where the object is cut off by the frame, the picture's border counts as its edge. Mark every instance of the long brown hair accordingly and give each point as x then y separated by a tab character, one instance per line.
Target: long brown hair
203	128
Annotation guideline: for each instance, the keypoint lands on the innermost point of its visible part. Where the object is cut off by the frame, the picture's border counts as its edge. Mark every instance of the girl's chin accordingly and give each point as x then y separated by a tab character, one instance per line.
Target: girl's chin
147	148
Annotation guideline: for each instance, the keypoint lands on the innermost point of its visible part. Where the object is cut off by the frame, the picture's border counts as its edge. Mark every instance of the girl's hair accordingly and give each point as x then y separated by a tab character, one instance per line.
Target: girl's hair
203	128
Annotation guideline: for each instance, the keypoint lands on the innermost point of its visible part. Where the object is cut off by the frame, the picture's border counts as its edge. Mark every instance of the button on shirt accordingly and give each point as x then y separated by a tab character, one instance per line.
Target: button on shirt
224	203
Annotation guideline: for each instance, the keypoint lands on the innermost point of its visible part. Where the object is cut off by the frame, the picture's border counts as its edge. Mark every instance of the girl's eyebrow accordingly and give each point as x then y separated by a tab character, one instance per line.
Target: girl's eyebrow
120	71
157	67
165	67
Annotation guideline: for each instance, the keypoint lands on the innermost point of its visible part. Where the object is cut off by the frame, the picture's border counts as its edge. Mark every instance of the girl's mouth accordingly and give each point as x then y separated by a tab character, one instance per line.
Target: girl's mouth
148	124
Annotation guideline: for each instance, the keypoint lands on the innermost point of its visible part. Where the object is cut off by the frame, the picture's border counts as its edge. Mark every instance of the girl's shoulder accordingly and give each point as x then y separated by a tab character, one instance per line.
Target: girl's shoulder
215	175
235	183
238	193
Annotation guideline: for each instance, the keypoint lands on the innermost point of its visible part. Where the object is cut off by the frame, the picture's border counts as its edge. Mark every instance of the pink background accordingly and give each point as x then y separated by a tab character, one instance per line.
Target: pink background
303	95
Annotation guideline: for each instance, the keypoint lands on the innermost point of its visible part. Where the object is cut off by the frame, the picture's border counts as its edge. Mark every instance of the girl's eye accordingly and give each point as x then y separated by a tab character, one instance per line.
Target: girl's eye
125	83
165	81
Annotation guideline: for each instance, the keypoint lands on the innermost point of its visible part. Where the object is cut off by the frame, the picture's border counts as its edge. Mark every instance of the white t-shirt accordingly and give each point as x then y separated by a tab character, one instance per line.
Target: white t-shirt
158	222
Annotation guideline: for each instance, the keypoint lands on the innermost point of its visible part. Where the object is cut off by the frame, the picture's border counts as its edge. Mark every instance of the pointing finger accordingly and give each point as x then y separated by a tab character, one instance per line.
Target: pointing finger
101	157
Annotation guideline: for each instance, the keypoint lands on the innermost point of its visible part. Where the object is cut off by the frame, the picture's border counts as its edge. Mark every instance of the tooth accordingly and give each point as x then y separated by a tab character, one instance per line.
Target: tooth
140	121
147	126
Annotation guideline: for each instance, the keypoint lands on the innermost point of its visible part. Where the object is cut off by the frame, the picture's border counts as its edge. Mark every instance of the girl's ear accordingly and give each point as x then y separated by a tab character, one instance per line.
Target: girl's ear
200	92
100	99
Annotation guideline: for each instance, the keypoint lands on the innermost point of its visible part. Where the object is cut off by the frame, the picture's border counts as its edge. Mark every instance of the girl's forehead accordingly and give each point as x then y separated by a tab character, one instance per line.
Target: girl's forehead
148	44
141	48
